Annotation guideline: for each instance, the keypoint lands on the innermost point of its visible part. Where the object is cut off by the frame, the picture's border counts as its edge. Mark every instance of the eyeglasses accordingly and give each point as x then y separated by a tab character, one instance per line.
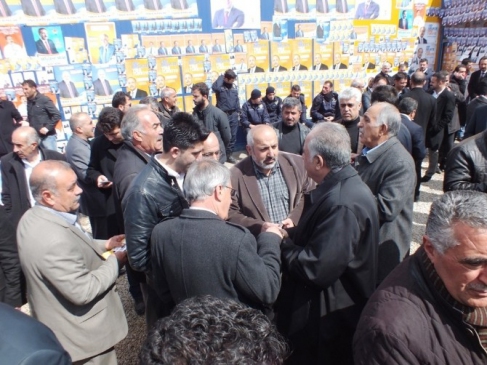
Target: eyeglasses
233	192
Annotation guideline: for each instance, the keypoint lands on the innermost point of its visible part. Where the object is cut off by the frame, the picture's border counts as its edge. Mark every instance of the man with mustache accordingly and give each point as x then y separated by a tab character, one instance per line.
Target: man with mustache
269	184
432	308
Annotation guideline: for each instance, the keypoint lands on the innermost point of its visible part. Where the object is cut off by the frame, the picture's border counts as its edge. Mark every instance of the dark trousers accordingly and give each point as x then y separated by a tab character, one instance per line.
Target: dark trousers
233	120
154	306
417	165
446	146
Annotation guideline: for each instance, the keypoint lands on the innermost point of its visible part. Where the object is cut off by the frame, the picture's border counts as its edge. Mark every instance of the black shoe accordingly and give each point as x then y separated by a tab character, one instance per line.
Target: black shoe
139	306
426	178
438	170
231	159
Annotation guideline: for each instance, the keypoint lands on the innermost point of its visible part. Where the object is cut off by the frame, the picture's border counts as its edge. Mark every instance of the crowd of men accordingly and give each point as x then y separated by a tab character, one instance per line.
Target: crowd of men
299	252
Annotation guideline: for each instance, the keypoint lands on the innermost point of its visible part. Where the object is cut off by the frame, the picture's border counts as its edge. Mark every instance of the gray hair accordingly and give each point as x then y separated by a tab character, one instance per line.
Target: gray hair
203	177
76	120
331	141
167	92
291	103
459	206
131	121
349	93
390	116
357	83
29	133
252	131
150	101
39	183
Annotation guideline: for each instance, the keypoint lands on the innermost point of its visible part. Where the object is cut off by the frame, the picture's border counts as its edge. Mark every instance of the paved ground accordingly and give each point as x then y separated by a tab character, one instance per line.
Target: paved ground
128	349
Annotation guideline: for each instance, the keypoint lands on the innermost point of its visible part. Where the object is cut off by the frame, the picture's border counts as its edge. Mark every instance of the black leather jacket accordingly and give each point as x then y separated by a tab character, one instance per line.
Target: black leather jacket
466	166
153	196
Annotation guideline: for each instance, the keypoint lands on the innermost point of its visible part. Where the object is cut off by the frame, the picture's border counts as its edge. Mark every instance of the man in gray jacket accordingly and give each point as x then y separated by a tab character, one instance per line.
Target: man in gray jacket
388	169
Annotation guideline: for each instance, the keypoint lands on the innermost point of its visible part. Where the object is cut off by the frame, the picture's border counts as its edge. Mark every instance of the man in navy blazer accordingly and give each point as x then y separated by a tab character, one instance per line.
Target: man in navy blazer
302	6
179	4
106	50
367	10
65	7
403	21
44	45
281	6
32	7
67	89
228	17
95	6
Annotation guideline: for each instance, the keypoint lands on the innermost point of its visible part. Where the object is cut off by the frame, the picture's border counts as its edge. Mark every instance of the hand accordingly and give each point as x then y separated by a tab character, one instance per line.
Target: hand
266	225
287	223
275	230
115	241
103	183
121	257
284	233
43	130
353	157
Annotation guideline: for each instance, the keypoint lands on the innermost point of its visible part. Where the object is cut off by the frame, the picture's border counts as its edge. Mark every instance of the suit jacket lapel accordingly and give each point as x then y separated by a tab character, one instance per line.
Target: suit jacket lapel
250	182
19	170
290	178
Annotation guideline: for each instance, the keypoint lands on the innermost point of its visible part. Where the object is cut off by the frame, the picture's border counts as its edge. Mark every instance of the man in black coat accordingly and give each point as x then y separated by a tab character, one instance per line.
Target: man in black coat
477	103
478	122
16	167
10	271
26	341
104	150
330	258
199	253
10	119
475	78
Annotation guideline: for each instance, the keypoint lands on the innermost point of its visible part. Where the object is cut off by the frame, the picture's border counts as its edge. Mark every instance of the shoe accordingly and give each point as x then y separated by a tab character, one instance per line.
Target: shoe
231	159
416	198
426	178
139	306
438	170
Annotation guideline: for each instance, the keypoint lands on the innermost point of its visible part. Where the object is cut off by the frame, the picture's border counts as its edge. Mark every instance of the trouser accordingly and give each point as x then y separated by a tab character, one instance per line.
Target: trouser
417	165
433	153
155	308
49	142
108	357
233	121
445	148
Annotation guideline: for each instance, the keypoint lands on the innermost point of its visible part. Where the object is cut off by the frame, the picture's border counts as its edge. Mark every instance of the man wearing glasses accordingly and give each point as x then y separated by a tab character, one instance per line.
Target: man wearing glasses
199	253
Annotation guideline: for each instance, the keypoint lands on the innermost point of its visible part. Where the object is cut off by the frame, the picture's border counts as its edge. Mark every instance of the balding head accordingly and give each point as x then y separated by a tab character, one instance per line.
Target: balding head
262	146
26	143
82	125
211	147
53	184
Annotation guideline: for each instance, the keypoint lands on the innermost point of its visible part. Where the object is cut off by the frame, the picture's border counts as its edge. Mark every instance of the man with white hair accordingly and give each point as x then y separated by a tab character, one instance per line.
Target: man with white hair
385	71
187	257
432	308
350	103
330	259
67	89
388	170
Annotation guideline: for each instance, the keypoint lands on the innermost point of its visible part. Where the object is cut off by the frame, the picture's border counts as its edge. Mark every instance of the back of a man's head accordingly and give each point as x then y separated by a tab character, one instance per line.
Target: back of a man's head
385	93
208	330
417	79
109	119
183	132
482	87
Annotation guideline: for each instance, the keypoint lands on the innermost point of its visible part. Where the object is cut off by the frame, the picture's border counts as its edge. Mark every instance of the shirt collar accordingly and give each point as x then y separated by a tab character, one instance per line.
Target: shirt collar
68	217
33	163
260	174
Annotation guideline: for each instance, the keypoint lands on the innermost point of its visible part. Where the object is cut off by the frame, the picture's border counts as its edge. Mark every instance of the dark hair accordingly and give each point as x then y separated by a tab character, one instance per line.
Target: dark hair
407	105
39	30
29	82
466	61
230	74
457	69
400	76
202	88
423	60
329	82
296	88
385	93
380	77
109	119
418	78
440	76
207	330
182	131
483	59
482	87
119	98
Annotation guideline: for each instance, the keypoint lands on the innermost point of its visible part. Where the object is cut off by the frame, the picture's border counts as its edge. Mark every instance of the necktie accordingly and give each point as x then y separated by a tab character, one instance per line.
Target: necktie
36	9
127	5
2	10
226	18
68	9
482	74
365	13
46	44
98	6
104	86
284	6
70	89
156	5
305	6
182	4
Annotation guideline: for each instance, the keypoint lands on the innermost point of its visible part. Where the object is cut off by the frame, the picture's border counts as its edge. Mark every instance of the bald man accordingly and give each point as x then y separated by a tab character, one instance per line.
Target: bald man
17	167
211	147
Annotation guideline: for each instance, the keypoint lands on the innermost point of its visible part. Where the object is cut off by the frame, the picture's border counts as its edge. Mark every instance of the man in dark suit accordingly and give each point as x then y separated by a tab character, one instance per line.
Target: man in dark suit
297	66
95	6
10	272
203	47
67	89
367	65
333	249
252	67
179	4
318	65
403	21
124	5
475	78
176	49
265	34
276	65
421	39
4	9
190	48
162	51
228	17
44	45
65	7
337	62
238	46
32	8
302	6
152	4
27	341
106	51
13	119
299	32
341	6
280	6
251	206
247	273
322	6
16	195
445	109
408	108
101	85
367	10
132	89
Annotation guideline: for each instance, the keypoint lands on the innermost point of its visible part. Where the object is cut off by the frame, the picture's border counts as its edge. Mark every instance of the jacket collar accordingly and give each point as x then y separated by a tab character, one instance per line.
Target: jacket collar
331	180
380	150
